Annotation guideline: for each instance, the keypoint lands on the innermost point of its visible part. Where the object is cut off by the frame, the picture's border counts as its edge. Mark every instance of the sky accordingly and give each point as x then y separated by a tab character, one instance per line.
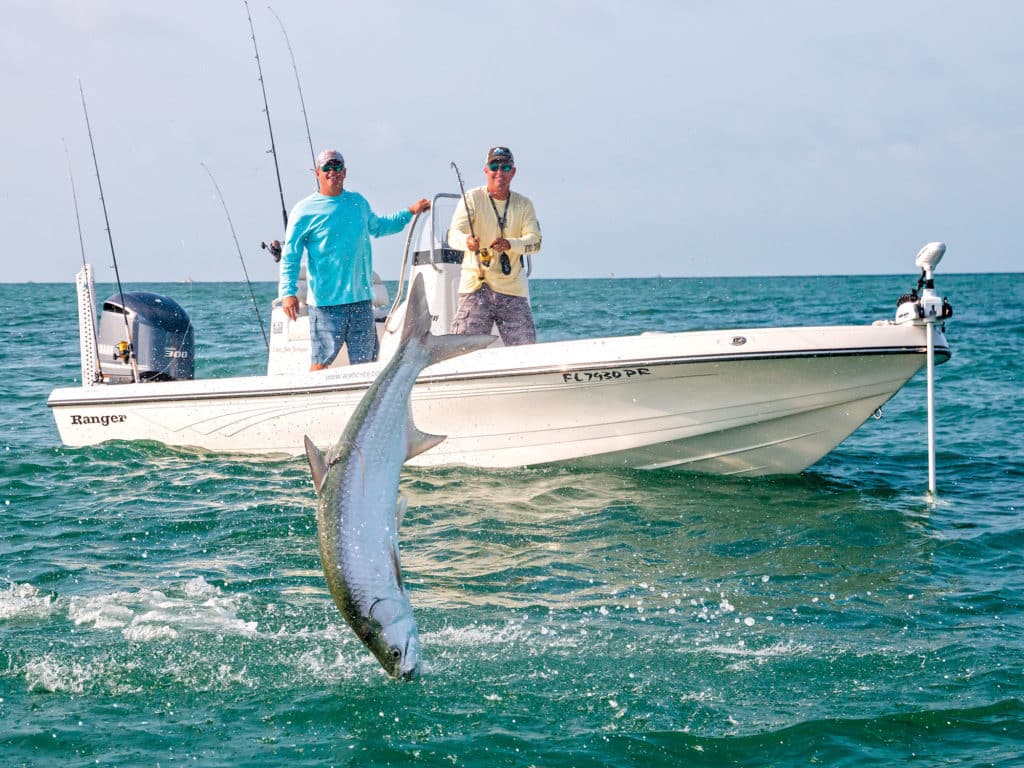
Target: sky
676	138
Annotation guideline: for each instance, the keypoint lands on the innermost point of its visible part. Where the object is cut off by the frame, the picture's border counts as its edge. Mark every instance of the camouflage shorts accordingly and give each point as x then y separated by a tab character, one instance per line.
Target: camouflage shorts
479	311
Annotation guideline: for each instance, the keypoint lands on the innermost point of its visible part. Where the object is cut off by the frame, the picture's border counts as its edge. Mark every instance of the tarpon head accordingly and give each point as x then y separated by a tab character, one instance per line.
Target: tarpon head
392	636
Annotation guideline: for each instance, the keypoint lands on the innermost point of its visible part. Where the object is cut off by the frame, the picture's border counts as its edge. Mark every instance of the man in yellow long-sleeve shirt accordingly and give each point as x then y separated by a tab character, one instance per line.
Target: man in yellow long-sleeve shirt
493	289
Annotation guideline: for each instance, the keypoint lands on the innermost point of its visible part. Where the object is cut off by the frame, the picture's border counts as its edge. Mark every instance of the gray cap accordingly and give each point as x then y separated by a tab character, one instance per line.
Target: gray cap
327	155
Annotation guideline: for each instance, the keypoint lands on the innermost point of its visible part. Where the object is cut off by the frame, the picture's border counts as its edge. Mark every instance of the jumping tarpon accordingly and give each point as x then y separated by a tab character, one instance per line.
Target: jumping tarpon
359	513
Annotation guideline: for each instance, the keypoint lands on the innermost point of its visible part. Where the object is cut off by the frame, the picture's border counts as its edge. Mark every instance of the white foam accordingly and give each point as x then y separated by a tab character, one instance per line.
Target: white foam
780	648
199	587
146	632
747	656
331	665
24	601
49	674
700	697
102	612
477	635
150	615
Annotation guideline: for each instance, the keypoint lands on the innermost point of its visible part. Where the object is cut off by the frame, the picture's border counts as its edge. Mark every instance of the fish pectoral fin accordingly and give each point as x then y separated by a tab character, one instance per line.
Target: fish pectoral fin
318	465
397	567
400	509
418	442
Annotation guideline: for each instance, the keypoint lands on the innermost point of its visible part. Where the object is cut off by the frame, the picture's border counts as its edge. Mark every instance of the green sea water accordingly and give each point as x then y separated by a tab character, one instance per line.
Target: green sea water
165	607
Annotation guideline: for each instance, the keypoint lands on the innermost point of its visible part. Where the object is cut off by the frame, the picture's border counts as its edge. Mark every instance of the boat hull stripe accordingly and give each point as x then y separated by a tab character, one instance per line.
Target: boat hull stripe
942	354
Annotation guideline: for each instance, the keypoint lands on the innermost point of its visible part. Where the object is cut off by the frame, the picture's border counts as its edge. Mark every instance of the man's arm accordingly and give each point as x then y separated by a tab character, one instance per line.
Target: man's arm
379	226
291	264
529	237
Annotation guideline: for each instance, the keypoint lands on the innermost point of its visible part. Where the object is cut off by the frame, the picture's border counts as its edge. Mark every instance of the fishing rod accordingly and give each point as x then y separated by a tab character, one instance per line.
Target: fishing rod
130	351
81	245
298	84
469	217
266	110
245	271
275	245
74	196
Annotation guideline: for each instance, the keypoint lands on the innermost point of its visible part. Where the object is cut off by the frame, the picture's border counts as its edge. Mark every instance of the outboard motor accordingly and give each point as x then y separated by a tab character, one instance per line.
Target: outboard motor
161	334
922	304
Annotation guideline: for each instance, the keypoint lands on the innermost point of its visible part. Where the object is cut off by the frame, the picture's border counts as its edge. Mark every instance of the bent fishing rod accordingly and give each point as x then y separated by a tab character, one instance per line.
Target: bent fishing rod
130	352
252	293
275	246
298	84
266	110
74	196
469	217
465	200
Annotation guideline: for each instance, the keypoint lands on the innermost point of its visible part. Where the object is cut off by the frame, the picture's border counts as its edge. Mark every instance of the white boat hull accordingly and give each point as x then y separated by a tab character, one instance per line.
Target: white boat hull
750	402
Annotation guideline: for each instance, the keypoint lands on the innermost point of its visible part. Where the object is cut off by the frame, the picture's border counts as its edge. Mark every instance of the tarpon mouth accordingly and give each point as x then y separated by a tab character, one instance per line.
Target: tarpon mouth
414	672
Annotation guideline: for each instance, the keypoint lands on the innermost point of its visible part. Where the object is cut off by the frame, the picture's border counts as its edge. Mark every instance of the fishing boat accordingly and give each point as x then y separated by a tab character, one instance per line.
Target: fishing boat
747	401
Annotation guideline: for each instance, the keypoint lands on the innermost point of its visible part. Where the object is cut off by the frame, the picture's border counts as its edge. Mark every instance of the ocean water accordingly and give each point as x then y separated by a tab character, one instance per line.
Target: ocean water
163	607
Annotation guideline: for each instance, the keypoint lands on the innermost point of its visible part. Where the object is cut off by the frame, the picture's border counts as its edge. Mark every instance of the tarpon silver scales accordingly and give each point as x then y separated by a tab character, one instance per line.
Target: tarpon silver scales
359	513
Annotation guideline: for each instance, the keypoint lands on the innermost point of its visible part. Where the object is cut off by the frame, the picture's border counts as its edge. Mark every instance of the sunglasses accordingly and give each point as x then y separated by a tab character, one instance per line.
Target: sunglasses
332	165
495	167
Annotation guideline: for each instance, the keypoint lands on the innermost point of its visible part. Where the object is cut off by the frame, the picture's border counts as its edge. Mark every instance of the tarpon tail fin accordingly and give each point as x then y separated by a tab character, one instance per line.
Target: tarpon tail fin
318	465
453	345
417	326
417	313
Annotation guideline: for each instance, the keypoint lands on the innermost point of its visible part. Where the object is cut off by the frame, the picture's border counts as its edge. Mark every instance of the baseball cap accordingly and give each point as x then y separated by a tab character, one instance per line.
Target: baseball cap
501	154
327	155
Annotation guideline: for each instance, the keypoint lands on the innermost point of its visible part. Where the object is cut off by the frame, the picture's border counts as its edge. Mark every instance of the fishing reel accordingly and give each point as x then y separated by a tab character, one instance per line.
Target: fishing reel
275	249
122	351
485	256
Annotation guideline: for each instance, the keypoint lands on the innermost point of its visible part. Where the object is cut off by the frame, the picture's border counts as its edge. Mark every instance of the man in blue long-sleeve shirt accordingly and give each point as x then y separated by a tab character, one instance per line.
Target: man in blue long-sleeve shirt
334	226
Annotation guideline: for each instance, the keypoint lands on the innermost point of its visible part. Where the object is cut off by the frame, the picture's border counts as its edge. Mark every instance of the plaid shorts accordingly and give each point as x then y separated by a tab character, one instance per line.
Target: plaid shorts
479	311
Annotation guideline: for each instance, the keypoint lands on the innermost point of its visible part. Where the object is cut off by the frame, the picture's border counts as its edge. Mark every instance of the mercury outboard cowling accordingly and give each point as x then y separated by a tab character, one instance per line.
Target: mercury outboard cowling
161	334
